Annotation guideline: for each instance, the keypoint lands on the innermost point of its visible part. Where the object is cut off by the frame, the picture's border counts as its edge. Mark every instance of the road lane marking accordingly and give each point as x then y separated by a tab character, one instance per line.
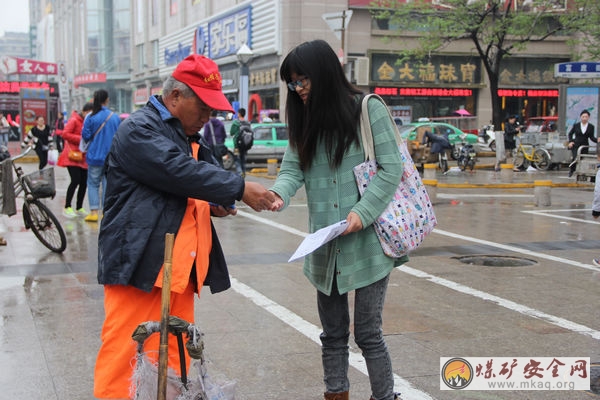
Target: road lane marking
517	250
355	359
313	332
511	305
550	215
563	323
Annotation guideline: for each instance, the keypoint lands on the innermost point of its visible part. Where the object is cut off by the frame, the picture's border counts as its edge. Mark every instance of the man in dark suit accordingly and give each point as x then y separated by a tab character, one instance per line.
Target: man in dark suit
579	135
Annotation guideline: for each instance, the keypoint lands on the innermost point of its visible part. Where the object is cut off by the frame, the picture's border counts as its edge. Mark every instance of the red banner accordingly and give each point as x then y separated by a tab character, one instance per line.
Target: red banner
24	66
95	77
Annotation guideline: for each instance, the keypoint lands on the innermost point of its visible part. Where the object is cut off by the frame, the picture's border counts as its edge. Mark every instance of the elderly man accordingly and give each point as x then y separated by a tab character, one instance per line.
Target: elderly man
161	179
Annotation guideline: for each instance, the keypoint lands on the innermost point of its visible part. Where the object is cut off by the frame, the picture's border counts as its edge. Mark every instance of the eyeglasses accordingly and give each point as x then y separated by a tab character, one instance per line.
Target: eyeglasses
299	83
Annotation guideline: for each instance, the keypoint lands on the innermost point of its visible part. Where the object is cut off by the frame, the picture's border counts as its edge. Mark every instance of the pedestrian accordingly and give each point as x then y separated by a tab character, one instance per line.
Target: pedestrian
235	130
322	112
161	179
596	200
511	130
255	119
59	126
98	130
214	135
4	130
580	135
77	169
40	136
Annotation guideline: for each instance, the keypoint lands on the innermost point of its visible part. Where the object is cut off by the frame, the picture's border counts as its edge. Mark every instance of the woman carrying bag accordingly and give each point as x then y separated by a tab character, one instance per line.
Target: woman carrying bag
323	113
74	161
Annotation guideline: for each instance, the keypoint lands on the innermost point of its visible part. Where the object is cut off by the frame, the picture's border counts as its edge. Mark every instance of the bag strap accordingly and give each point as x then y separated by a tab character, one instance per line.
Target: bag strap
101	126
365	127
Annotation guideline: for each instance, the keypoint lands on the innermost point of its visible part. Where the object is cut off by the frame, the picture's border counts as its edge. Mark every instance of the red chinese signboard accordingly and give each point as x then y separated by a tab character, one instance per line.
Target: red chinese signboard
24	66
95	77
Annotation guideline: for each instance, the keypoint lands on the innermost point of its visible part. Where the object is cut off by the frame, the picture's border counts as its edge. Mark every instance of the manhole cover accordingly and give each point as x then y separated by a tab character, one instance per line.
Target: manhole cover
496	261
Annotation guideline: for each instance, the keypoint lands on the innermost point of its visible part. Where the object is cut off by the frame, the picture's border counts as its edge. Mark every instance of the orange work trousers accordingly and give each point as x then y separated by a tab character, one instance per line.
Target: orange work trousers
126	307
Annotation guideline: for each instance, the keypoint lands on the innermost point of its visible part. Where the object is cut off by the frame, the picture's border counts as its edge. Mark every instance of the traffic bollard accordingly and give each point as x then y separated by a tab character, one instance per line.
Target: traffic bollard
541	192
431	186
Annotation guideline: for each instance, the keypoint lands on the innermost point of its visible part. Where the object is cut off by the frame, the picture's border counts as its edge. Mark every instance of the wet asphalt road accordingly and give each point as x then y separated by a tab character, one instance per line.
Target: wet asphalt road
264	331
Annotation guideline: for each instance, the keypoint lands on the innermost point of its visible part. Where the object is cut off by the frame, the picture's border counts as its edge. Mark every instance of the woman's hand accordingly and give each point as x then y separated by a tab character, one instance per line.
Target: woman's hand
277	204
354	223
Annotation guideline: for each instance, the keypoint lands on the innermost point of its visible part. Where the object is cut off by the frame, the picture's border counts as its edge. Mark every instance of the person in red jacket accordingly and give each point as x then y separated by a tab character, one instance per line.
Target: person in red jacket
71	136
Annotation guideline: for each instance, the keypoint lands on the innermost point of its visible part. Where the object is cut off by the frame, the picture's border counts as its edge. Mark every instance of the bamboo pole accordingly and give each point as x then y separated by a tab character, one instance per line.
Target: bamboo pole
163	349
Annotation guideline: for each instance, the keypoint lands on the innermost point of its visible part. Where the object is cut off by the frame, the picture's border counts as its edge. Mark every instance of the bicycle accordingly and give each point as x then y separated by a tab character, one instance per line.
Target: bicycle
36	215
530	154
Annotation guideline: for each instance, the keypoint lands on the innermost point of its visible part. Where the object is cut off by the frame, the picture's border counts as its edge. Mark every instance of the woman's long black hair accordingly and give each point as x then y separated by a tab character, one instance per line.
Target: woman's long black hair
331	112
100	97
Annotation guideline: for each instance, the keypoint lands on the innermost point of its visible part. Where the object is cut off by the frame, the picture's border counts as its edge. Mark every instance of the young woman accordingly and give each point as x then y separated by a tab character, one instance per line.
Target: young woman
41	133
323	111
71	136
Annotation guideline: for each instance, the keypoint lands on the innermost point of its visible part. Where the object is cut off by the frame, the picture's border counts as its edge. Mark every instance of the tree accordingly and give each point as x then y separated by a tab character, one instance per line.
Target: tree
497	28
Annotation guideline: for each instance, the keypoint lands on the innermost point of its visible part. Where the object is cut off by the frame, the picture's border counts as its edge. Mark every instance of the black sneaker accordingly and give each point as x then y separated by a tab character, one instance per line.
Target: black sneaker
570	174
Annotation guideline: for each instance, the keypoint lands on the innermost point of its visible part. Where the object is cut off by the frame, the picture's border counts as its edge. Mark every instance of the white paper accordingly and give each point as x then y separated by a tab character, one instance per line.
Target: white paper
318	239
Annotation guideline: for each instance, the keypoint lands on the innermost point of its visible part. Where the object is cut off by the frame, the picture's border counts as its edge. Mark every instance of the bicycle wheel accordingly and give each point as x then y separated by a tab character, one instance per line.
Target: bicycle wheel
541	159
444	165
520	160
45	225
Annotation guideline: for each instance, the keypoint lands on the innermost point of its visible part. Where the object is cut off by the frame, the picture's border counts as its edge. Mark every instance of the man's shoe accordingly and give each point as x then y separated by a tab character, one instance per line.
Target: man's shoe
596	262
570	174
69	212
82	212
91	218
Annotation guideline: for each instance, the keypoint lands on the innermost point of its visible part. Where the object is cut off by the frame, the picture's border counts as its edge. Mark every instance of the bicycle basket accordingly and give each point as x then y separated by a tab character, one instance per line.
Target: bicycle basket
41	183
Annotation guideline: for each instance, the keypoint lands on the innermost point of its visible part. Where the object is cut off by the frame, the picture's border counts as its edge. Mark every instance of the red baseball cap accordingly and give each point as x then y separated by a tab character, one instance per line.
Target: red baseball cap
202	75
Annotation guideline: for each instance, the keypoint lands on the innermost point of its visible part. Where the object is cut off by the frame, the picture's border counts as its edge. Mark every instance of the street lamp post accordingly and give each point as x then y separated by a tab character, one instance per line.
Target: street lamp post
244	55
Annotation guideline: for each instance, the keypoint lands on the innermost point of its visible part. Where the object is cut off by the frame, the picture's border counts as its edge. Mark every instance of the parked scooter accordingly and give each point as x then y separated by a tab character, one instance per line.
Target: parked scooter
487	137
467	157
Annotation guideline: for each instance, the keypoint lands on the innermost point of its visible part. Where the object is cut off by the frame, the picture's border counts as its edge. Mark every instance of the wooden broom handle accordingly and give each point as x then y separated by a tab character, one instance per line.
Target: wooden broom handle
163	349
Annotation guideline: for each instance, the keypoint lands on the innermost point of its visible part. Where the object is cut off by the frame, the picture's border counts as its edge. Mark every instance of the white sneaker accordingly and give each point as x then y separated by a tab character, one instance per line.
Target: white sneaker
596	262
69	212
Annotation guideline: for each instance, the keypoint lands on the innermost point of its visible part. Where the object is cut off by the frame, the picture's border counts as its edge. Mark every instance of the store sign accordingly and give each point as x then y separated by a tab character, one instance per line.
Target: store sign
15	87
226	34
263	77
97	77
423	92
23	66
527	93
140	96
438	70
175	55
526	71
577	70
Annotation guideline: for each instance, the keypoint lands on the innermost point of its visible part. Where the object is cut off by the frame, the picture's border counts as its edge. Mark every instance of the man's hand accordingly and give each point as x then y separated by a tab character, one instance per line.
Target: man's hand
257	197
220	211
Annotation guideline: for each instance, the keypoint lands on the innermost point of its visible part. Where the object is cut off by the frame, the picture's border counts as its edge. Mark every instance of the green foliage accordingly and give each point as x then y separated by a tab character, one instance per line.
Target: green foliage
496	28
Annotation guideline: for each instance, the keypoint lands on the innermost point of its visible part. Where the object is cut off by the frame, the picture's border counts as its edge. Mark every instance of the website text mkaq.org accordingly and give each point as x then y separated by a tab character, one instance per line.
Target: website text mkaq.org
514	373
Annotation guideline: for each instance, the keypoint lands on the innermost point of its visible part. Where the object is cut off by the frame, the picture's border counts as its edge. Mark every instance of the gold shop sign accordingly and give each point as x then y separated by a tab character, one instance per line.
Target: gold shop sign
263	77
438	69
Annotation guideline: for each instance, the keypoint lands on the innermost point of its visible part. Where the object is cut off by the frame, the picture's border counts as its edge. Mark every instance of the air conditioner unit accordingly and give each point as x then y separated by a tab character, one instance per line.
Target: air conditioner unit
361	71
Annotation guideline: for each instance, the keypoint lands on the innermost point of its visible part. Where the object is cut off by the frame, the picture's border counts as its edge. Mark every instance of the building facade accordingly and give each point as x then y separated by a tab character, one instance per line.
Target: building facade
92	39
131	46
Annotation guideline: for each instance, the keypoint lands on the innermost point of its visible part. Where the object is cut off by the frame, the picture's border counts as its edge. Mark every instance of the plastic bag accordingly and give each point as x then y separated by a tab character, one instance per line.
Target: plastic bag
52	156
